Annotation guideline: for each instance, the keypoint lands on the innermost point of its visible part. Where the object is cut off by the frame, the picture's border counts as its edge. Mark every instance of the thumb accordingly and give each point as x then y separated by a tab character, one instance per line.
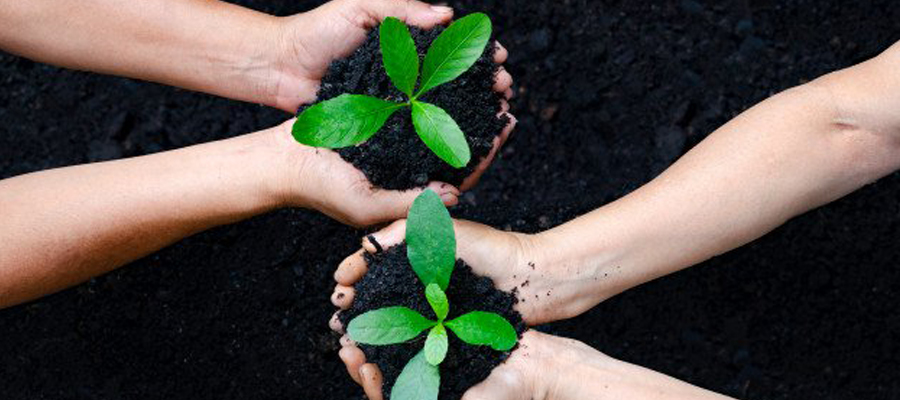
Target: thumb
413	12
395	204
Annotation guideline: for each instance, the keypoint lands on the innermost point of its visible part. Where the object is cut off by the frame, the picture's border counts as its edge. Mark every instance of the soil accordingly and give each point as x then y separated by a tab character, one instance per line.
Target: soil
609	93
392	282
395	157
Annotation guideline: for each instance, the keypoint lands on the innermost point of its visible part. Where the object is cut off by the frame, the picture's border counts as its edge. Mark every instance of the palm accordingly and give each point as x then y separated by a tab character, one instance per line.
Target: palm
316	38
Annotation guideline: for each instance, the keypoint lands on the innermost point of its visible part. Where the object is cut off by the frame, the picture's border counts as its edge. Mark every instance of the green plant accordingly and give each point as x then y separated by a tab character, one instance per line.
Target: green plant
431	250
350	119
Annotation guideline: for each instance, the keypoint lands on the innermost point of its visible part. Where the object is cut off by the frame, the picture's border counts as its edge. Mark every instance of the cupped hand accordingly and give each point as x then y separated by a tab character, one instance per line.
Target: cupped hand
312	40
511	260
527	374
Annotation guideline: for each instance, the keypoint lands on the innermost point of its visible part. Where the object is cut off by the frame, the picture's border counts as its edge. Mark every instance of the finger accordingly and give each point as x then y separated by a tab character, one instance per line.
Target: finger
352	269
410	11
347	342
387	237
394	204
482	167
371	379
343	296
508	94
353	358
502	81
504	107
335	323
501	54
507	131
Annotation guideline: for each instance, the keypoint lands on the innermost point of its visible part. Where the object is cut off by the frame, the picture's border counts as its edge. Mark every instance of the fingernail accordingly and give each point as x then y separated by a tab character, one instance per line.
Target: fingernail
449	199
441	188
441	9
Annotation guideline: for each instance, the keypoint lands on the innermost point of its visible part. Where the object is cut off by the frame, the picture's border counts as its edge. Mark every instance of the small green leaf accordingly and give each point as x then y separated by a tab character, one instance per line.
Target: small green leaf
441	134
484	328
387	326
438	300
342	121
398	51
455	51
436	345
419	380
431	240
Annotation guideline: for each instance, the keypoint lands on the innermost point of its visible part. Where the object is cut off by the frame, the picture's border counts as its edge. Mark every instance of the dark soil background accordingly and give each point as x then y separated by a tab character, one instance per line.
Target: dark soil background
396	158
610	93
391	281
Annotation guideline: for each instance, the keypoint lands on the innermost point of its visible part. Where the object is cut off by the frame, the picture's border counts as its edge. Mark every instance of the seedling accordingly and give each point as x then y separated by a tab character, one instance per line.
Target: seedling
350	119
431	250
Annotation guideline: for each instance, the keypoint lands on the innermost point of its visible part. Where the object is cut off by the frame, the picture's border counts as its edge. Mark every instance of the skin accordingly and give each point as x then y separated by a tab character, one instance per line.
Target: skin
64	226
795	151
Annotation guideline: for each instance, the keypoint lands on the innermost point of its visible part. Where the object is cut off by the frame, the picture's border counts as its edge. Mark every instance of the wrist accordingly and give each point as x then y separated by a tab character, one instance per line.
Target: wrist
241	51
581	271
287	176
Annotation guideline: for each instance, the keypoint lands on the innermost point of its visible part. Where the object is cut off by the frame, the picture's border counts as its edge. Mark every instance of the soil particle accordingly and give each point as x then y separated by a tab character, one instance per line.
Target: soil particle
392	282
395	157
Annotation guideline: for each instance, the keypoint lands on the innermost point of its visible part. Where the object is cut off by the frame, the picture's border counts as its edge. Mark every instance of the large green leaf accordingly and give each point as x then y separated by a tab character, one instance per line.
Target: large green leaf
436	345
342	121
455	51
430	240
419	380
438	300
398	51
484	328
387	326
441	134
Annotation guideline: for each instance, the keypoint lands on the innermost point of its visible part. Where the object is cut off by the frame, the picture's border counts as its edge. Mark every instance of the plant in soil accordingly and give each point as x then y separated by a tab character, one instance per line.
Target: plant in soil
350	119
431	251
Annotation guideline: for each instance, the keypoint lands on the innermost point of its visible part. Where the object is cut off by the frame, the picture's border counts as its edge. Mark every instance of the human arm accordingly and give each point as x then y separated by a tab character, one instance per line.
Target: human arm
63	226
798	150
204	45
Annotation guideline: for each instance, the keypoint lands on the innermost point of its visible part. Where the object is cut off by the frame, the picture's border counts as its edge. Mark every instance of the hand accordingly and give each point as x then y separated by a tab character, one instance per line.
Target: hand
312	40
526	375
509	259
318	178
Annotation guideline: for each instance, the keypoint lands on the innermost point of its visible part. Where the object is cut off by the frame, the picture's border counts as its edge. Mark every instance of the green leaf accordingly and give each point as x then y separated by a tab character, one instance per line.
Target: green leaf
399	54
342	121
387	326
438	300
484	328
436	345
430	240
441	134
419	380
455	51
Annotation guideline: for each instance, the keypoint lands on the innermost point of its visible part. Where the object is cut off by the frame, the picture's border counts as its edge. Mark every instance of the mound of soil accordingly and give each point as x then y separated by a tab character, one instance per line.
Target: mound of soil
395	157
392	282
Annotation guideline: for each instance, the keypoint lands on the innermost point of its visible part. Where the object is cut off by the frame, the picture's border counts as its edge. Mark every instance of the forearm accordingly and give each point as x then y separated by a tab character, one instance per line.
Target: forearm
602	377
795	151
202	45
63	226
566	369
